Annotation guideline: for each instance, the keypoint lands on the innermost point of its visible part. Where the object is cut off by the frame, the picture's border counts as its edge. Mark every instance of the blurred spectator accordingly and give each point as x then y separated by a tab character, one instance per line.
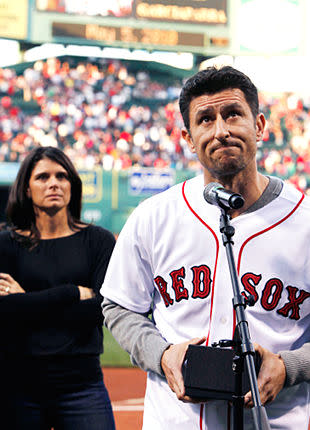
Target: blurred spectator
105	115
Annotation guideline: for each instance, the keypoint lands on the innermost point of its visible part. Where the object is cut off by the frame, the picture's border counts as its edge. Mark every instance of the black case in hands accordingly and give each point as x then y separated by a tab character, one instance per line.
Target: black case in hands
208	373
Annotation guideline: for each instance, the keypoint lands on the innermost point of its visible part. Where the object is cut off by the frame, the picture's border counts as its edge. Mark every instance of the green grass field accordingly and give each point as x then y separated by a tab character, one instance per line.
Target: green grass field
114	355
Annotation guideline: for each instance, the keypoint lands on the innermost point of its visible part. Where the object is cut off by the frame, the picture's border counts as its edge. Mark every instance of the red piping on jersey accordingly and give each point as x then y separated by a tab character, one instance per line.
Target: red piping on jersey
258	234
212	293
201	415
238	269
216	258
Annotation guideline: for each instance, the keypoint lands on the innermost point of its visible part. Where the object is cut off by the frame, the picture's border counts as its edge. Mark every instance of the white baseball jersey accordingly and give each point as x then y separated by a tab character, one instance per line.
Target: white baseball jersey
170	252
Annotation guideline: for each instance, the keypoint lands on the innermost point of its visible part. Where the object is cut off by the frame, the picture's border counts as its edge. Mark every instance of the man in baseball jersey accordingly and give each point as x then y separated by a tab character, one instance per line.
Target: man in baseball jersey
169	258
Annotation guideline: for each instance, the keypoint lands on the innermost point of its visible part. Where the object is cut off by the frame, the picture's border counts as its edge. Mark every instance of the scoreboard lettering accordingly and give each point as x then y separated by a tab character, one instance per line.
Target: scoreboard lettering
143	36
197	26
182	13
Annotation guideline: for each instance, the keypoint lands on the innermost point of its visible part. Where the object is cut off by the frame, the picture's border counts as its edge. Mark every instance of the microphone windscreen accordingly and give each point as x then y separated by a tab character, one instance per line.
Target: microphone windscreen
207	192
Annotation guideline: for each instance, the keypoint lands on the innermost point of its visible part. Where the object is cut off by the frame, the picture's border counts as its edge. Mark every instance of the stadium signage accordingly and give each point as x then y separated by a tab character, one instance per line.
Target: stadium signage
150	181
8	172
179	11
92	185
202	12
13	19
142	36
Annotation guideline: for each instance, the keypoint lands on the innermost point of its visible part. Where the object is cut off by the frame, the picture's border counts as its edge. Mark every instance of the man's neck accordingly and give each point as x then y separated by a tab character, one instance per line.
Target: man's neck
251	187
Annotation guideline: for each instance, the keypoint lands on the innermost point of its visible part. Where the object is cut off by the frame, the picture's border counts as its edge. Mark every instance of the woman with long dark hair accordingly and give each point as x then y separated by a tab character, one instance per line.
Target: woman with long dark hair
52	266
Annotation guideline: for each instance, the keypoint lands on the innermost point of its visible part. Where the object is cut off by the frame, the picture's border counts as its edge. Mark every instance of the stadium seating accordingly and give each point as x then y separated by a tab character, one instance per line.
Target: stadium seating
114	114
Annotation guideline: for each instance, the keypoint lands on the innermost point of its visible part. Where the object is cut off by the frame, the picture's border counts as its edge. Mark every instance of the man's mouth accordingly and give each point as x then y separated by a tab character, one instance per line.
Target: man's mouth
224	147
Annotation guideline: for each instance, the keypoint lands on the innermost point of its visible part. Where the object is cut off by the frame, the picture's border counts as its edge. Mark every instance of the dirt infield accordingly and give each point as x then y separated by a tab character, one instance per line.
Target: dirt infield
126	388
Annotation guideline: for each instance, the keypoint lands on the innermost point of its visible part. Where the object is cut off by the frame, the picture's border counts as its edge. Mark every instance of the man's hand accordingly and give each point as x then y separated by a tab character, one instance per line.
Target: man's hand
271	377
171	363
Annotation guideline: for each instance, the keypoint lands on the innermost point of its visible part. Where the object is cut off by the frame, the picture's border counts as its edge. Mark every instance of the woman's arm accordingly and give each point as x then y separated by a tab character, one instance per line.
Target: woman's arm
34	307
69	304
88	312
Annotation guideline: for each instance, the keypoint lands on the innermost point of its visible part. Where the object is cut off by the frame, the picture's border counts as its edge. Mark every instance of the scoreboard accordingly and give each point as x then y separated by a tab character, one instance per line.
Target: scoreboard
129	36
203	27
14	19
186	11
174	25
197	26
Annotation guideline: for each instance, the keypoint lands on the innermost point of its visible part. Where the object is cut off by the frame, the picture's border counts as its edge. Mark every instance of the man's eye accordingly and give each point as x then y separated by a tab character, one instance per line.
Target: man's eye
233	113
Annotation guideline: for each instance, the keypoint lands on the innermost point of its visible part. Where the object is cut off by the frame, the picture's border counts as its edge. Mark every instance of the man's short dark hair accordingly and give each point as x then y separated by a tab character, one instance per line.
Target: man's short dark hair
213	80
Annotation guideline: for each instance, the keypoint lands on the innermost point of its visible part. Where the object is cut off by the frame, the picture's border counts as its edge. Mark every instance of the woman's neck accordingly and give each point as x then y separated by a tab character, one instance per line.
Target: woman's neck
51	227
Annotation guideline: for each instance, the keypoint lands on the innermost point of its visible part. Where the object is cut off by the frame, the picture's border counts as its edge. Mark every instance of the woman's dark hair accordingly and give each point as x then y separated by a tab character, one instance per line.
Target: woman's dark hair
19	209
213	80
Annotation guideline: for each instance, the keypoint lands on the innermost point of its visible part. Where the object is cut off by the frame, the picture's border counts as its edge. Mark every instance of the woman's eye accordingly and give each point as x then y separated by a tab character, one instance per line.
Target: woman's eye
42	176
62	176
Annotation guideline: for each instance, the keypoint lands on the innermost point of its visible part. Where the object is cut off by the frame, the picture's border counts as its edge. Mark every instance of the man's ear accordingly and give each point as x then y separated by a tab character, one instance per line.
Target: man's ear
188	138
260	126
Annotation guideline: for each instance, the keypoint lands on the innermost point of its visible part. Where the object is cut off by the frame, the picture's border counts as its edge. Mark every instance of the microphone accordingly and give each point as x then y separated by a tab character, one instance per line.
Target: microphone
215	194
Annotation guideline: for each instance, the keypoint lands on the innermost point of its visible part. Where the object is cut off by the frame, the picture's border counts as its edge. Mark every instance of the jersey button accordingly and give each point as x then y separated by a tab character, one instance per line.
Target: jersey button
223	320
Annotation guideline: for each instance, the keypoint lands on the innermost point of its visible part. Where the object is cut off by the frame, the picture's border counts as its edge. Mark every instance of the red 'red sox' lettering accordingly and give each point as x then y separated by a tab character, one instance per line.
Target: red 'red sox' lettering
201	281
162	286
292	306
177	277
250	281
271	294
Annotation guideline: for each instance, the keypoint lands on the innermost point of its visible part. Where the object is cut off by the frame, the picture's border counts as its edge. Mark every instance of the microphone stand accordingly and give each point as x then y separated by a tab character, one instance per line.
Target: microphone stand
245	350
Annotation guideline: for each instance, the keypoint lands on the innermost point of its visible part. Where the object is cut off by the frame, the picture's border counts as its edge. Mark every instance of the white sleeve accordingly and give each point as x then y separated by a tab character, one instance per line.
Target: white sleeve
129	277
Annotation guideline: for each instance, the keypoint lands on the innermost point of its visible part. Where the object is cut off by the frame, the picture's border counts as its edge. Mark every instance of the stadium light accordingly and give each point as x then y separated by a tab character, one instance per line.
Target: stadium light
183	60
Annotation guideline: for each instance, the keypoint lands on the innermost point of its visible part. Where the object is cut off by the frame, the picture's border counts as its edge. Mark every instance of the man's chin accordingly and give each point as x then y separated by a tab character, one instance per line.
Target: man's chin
224	170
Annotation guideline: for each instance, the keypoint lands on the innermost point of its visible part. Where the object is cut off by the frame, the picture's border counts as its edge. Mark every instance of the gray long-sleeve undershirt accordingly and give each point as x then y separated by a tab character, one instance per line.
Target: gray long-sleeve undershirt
297	364
137	334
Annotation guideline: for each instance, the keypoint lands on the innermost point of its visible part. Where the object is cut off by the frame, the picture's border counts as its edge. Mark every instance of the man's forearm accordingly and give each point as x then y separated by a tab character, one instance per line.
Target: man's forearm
136	334
297	364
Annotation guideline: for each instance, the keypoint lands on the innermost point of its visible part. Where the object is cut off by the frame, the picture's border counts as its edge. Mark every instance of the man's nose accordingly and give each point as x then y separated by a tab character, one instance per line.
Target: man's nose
221	128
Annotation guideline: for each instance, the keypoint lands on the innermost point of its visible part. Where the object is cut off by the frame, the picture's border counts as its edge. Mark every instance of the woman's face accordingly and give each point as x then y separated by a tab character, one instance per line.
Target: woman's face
49	187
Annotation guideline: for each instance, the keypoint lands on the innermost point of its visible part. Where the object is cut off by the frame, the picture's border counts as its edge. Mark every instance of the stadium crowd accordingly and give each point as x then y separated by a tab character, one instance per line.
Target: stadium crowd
103	114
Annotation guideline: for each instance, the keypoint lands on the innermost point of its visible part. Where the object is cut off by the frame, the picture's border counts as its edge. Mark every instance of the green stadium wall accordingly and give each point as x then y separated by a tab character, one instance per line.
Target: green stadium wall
110	197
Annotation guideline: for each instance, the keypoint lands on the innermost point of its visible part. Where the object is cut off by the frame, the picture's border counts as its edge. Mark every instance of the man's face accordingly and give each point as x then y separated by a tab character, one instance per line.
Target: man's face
223	133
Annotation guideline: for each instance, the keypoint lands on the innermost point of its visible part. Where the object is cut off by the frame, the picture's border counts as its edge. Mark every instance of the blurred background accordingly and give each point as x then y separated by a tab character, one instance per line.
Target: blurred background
100	79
